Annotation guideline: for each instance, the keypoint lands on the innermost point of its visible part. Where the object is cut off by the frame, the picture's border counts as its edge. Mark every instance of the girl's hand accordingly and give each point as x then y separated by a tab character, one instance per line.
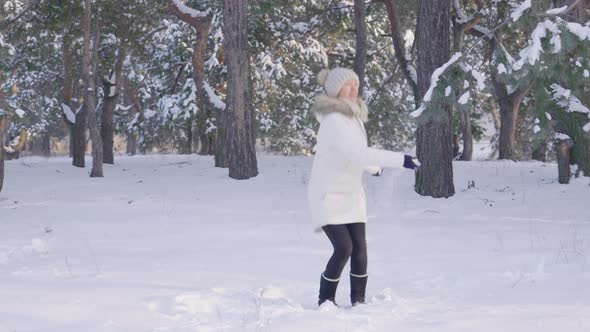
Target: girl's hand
411	162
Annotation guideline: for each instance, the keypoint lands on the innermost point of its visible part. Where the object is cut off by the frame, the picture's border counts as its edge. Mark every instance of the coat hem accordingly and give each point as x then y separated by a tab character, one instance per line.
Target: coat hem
319	229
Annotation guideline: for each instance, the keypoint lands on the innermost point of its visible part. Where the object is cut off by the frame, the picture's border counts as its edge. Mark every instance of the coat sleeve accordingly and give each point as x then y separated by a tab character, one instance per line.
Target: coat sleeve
341	142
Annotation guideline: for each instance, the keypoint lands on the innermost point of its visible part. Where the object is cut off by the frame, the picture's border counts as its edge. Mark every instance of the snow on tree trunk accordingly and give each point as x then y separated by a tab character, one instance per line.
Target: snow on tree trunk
360	56
434	147
509	104
112	88
68	89
401	53
201	22
88	69
571	125
78	136
204	112
240	132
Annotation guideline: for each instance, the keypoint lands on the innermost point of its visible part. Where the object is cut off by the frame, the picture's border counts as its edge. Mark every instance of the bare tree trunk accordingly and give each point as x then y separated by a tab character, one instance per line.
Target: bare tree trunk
360	56
111	93
563	160
240	134
79	138
456	147
41	146
46	145
467	135
495	118
464	115
3	124
570	125
220	151
131	148
88	70
508	120
129	93
540	152
188	147
203	104
68	89
400	51
435	176
201	24
509	104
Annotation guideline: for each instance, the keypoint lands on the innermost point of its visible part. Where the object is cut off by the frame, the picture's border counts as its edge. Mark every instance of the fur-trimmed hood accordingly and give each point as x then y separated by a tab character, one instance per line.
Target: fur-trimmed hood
325	104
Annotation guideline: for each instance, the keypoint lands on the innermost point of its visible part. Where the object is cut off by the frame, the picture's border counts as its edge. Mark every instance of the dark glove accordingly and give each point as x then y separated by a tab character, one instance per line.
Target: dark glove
411	162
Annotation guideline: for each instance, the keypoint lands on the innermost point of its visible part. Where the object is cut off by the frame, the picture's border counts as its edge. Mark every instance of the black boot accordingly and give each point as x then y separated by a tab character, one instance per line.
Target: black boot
327	290
358	284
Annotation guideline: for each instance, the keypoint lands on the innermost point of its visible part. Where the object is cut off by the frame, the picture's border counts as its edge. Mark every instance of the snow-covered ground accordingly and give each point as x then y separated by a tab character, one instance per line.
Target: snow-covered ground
169	243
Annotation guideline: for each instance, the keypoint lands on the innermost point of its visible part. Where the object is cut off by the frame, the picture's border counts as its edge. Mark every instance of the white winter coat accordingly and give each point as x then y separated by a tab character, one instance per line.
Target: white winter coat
336	193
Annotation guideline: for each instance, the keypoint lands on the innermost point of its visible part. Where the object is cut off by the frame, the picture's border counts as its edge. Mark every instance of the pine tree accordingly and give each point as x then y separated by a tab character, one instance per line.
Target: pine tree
435	176
91	37
239	121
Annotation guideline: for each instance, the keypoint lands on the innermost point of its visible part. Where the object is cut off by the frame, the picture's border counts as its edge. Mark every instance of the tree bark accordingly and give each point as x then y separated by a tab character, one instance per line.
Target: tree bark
240	134
540	153
188	145
464	115
68	89
508	118
467	135
79	138
400	51
563	160
130	99
88	70
110	101
203	113
360	56
131	148
3	123
434	146
509	104
40	145
201	24
571	124
220	150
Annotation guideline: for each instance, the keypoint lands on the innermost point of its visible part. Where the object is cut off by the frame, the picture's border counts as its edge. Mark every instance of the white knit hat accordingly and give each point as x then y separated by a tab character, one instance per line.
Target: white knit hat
333	79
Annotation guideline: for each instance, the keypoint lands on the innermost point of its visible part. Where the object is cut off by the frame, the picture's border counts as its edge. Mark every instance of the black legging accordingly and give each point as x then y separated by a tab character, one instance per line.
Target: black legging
348	240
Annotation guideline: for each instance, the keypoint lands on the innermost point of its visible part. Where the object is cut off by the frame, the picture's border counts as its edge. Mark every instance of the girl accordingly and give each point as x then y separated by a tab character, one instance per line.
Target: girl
336	195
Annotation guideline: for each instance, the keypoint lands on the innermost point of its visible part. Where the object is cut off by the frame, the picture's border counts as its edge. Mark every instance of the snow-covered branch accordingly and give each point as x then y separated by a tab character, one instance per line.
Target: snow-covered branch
518	11
433	83
185	13
213	98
